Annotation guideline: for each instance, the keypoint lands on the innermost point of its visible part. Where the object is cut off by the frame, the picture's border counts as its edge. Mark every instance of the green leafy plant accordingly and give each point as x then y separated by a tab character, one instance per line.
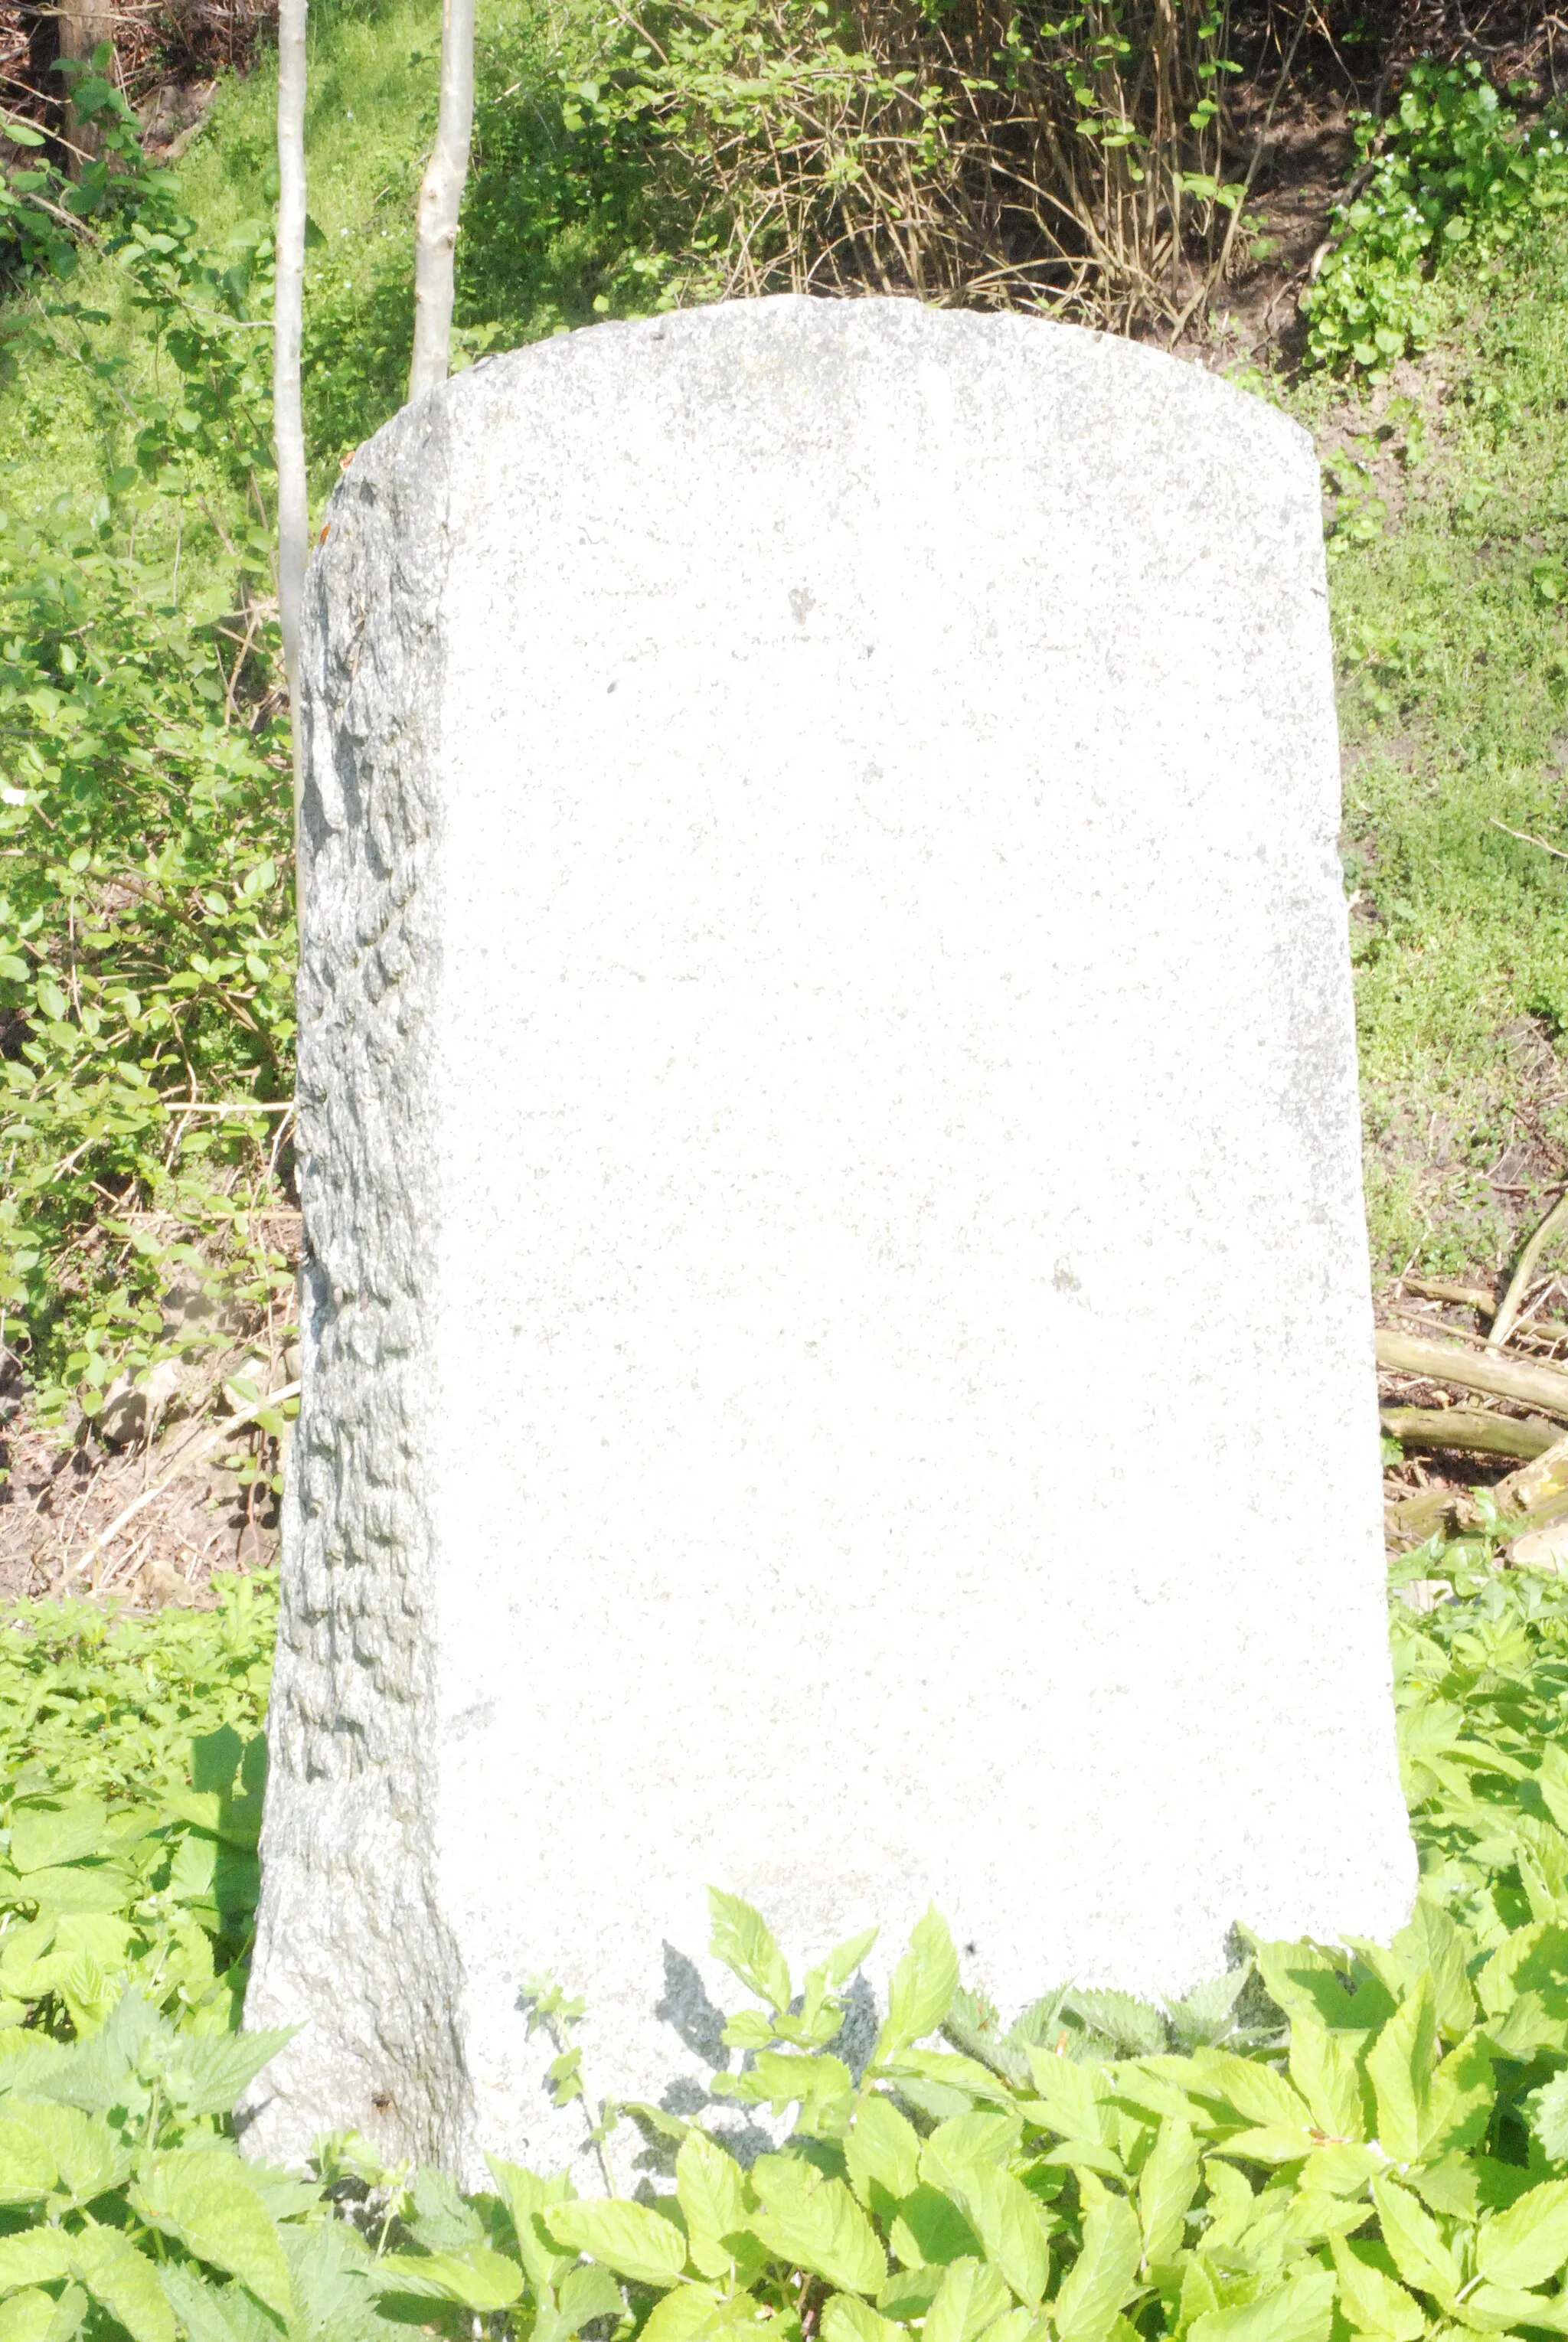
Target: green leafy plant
1327	2142
145	940
1449	174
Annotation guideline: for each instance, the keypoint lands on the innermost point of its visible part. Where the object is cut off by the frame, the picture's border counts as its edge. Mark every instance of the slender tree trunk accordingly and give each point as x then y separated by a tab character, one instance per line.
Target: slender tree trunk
288	413
440	197
84	25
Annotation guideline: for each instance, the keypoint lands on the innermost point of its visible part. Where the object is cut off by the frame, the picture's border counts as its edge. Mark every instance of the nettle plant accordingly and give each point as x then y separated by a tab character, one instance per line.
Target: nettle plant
1449	177
1326	2143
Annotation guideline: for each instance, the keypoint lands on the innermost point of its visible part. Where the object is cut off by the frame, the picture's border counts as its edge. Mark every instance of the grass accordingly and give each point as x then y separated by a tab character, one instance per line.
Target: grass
1449	621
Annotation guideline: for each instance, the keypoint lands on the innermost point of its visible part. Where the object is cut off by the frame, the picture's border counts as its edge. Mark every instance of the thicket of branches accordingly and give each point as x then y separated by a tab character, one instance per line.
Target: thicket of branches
1002	154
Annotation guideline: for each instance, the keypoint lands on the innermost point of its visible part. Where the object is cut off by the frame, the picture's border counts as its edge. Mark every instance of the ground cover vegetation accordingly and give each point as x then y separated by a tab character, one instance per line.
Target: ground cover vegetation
1368	2140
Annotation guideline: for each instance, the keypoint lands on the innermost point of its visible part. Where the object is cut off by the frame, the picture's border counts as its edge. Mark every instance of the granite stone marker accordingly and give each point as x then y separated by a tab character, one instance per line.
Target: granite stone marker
837	1333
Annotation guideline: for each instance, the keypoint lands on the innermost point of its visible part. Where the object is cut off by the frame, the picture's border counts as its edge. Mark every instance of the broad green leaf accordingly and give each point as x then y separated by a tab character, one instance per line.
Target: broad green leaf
1024	2326
125	2280
1399	2067
1007	2220
1073	2099
1461	2100
587	2291
36	2257
477	2280
820	2085
967	2301
1553	1782
816	2224
743	1939
201	2309
882	2151
1373	2303
212	2070
44	1835
711	2192
35	2317
922	1988
86	2155
848	2319
527	2198
1434	1945
1200	2293
691	2311
930	2228
1340	2170
1323	2069
1167	2184
1415	2241
979	2138
683	2314
1528	2243
202	2197
1103	2276
1259	2095
1549	2118
1305	1978
1494	2308
27	2168
1299	2311
908	2293
1531	1958
627	2237
842	1963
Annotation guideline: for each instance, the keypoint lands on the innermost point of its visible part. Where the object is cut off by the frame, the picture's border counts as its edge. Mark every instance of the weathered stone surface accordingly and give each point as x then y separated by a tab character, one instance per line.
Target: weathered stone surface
838	1349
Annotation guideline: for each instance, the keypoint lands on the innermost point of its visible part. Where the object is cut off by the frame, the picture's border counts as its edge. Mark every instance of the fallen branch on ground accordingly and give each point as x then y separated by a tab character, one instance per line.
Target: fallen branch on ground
1545	1387
1512	1301
1470	1429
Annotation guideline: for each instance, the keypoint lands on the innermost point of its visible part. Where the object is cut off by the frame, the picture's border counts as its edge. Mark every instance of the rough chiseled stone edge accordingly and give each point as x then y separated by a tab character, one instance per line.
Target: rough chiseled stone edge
350	1943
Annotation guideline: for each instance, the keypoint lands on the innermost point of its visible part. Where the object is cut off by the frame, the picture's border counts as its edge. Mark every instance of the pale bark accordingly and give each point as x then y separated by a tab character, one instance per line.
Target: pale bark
440	199
288	413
